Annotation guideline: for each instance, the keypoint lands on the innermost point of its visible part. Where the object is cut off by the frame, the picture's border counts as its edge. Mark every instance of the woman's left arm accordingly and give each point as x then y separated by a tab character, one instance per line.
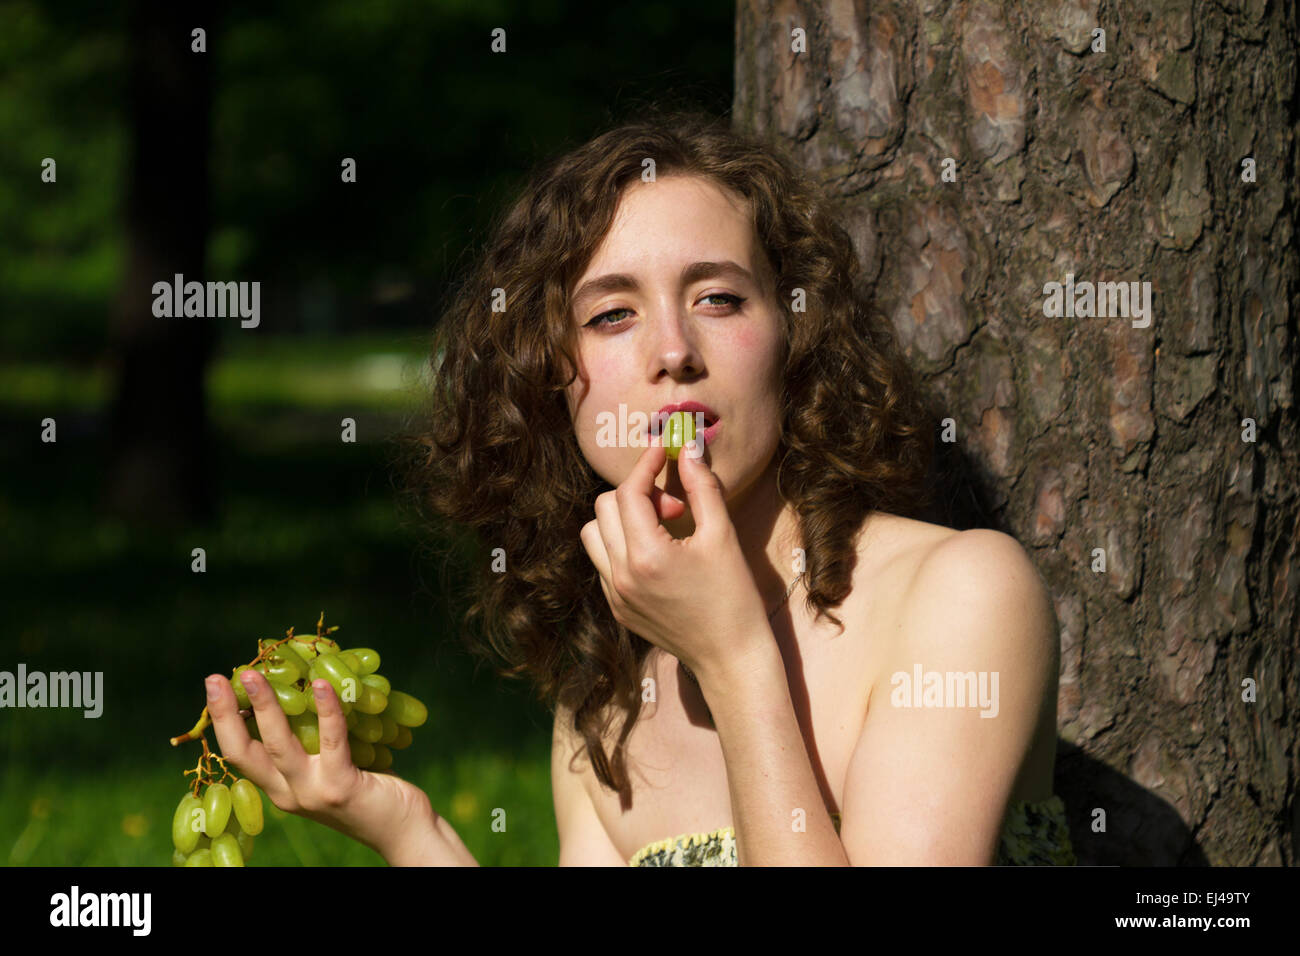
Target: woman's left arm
778	813
929	785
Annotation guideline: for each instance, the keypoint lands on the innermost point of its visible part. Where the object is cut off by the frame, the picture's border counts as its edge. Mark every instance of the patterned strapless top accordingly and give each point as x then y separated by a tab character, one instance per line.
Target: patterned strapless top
1034	834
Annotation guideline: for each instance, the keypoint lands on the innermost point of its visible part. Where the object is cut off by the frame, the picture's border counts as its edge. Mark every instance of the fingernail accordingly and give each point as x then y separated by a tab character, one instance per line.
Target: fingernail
692	447
250	685
319	687
211	685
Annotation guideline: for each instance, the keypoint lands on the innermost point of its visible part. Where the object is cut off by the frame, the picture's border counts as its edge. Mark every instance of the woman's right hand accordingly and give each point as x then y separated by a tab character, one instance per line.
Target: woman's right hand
376	809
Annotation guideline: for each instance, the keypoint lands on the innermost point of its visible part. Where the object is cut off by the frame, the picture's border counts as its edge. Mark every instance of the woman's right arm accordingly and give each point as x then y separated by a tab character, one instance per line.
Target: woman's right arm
431	842
382	811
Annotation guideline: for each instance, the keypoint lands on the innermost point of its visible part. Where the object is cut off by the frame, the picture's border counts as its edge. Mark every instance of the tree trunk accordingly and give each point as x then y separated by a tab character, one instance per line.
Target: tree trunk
1090	436
160	462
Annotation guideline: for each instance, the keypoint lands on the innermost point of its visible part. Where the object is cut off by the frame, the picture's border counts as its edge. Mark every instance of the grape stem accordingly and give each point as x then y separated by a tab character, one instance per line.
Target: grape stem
204	772
195	732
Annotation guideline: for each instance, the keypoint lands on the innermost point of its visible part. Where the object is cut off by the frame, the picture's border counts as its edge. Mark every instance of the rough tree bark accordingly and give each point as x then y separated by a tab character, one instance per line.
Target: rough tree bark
1077	434
160	465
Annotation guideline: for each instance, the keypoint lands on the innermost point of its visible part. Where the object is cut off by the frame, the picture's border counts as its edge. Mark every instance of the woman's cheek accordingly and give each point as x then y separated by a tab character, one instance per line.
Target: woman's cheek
749	345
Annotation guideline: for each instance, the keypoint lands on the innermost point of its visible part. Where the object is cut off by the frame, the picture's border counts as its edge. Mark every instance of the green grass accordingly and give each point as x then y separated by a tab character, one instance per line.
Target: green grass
308	523
251	371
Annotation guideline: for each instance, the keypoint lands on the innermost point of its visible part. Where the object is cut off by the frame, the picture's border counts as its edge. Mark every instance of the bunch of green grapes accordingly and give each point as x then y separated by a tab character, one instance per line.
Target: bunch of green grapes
205	831
379	718
379	721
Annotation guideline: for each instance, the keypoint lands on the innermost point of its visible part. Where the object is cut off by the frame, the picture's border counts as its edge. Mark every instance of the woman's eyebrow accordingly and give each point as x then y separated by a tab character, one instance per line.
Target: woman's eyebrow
622	282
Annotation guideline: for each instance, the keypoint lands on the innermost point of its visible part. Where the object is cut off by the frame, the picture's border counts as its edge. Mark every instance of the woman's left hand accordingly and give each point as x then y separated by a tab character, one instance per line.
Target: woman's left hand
693	597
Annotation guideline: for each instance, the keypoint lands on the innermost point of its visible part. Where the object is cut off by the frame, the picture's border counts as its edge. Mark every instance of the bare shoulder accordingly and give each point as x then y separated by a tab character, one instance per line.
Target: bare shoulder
891	548
925	579
982	564
979	589
920	558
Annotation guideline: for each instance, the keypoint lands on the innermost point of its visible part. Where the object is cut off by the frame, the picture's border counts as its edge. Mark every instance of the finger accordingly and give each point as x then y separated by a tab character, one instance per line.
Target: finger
595	545
611	528
667	506
609	594
277	739
703	490
637	509
335	754
233	739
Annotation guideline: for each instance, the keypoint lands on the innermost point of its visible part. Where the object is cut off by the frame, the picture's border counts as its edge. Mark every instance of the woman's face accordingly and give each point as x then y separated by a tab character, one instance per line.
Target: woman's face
657	325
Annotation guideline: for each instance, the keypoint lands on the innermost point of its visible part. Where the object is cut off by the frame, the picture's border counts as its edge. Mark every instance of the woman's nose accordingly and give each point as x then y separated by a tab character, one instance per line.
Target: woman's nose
675	349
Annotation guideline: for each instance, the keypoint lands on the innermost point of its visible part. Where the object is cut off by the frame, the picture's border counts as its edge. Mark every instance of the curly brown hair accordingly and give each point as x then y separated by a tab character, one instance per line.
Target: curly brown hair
495	452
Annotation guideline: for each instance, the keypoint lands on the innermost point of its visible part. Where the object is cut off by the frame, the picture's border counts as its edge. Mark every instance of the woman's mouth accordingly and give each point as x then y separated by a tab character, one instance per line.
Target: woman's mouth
705	420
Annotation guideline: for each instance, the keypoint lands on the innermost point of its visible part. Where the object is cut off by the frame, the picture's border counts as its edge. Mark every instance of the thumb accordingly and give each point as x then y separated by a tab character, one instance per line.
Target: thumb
703	490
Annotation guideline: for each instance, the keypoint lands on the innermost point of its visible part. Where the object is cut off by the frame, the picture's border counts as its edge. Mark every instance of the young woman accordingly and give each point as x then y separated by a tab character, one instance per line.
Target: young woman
752	655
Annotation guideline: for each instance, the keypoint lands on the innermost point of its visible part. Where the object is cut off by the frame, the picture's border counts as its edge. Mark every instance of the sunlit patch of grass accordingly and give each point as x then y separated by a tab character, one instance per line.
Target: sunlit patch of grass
385	373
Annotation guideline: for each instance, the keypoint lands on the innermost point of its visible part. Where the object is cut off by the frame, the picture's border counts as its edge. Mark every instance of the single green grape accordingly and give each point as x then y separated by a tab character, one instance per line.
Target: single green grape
390	729
246	800
339	676
383	759
309	648
368	657
370	700
280	670
403	738
245	841
225	851
216	809
406	710
291	699
379	682
184	837
309	696
350	659
678	429
241	694
369	728
202	857
303	649
307	731
363	753
287	655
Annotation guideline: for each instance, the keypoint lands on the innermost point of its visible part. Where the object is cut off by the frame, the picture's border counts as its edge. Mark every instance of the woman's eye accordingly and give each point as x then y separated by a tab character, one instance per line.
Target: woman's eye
598	321
735	299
